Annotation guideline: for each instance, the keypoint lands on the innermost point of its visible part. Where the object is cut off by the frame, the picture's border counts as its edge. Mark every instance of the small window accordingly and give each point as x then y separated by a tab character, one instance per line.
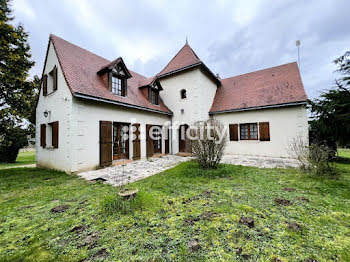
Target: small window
154	96
183	94
249	131
118	86
50	82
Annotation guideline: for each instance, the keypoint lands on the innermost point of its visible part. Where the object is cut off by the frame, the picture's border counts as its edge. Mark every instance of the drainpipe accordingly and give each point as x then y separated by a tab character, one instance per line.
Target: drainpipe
171	135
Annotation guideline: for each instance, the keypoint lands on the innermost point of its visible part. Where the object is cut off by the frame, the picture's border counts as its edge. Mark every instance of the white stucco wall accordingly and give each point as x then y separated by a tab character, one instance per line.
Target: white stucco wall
285	124
87	115
200	93
59	104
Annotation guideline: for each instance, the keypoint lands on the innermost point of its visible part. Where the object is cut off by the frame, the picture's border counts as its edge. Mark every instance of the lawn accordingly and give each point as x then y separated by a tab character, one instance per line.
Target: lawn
178	205
23	158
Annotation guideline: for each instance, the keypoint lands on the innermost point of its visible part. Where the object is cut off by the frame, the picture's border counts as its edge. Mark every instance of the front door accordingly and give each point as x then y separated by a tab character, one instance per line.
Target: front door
182	138
120	141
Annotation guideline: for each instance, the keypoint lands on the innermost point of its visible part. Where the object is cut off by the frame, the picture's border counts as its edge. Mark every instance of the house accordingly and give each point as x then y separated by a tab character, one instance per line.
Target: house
92	111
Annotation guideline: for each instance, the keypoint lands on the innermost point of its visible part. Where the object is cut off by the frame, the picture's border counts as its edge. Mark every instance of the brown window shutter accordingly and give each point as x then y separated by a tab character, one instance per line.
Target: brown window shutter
125	87
43	135
264	131
45	85
54	78
233	128
55	134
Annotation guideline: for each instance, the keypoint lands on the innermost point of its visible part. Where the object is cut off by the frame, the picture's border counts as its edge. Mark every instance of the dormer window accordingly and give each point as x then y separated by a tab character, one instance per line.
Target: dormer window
183	94
153	96
118	86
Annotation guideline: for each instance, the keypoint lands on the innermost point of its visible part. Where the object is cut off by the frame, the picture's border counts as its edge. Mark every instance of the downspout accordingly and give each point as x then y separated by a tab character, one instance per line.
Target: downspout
171	135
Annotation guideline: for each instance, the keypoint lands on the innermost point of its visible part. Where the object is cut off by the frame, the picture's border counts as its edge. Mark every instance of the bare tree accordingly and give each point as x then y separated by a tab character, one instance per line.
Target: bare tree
207	141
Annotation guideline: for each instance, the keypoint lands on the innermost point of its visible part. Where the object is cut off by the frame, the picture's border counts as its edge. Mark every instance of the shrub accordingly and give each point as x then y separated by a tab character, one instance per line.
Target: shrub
320	161
316	158
207	141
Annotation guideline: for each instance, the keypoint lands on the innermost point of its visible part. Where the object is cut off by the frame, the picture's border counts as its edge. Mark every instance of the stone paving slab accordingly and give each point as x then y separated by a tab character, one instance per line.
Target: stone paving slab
135	170
141	169
260	161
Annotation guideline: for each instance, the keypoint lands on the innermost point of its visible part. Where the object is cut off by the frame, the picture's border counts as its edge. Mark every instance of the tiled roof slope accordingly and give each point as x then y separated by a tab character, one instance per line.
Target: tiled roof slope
268	87
184	58
80	69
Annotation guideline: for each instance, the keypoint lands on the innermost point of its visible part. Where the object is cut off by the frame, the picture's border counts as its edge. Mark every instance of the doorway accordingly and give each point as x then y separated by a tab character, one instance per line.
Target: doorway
182	139
120	141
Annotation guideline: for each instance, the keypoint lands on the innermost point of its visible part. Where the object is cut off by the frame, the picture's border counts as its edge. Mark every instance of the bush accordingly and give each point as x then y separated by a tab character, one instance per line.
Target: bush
316	158
207	141
11	141
320	161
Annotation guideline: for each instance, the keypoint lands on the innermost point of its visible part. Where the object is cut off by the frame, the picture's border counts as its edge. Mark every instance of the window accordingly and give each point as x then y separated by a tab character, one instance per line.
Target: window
50	82
153	96
249	131
49	133
118	86
183	94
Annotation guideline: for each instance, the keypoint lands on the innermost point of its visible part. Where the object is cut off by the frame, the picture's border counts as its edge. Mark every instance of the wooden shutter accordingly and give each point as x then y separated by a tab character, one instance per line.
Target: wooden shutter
54	75
43	135
167	138
106	142
55	134
233	128
264	131
136	145
149	142
45	85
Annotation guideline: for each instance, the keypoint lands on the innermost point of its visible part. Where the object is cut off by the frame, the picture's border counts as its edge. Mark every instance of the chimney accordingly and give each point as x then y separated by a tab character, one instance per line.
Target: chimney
218	76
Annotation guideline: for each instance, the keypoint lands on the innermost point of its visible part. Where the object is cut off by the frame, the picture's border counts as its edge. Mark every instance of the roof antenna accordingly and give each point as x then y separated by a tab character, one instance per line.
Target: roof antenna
186	40
297	43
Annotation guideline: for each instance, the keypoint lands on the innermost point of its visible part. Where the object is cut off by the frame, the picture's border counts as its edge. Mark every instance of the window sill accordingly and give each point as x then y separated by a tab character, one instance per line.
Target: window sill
51	148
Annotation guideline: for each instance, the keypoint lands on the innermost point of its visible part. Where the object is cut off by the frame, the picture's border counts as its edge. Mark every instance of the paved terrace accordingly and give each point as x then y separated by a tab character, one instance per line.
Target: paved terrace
141	169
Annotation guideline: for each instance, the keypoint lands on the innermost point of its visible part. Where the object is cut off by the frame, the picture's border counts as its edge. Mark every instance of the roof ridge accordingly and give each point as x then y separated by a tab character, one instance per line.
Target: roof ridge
252	72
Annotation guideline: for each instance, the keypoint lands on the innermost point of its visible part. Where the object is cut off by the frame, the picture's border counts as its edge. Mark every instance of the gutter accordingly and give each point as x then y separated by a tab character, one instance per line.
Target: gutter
99	99
258	107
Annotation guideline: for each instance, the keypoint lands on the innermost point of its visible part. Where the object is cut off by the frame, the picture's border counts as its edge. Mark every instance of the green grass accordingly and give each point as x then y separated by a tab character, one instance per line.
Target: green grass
23	158
342	152
173	207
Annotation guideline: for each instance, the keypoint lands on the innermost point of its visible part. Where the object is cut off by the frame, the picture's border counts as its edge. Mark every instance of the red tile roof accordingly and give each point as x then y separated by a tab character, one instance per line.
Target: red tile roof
184	58
80	69
268	87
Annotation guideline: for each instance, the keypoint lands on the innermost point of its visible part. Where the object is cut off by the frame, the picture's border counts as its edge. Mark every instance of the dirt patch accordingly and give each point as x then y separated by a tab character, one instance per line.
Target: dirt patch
294	226
193	245
79	229
311	260
90	240
207	215
59	209
283	202
248	221
191	220
289	189
101	254
302	199
207	193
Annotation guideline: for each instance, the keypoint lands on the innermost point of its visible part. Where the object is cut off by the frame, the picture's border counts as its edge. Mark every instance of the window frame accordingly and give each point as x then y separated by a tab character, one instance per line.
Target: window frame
123	85
153	99
249	131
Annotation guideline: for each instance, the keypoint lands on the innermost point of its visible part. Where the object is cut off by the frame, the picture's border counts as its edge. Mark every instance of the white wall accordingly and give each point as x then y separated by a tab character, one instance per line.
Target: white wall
200	93
285	124
87	115
59	104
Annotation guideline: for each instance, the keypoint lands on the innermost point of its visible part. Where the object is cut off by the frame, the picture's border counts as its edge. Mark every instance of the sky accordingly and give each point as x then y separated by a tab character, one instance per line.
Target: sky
231	37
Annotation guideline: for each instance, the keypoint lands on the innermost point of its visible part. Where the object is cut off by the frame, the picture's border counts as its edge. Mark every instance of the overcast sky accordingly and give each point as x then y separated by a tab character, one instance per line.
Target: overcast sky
230	37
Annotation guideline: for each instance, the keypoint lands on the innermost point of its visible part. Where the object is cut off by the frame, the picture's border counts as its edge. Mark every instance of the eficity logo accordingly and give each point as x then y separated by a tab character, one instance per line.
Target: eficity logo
208	130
